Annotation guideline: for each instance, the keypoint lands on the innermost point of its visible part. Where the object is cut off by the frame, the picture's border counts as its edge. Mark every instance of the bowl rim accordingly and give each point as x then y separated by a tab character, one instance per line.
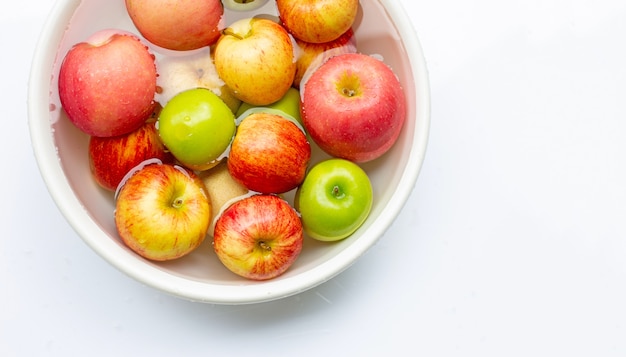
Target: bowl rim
49	164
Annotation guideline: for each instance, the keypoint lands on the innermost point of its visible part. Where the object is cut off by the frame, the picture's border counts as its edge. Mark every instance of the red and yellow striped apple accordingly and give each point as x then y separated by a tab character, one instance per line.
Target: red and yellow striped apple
269	153
162	211
111	158
258	237
317	21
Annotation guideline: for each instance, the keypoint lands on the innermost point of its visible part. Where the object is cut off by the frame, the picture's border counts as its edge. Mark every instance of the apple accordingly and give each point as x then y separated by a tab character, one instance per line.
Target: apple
269	153
222	188
162	211
258	237
255	58
111	158
192	70
288	105
317	21
243	5
107	84
175	24
353	107
197	127
312	55
334	200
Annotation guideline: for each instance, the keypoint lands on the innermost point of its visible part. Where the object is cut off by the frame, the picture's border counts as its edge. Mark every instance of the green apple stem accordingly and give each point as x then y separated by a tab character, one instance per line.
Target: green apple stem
337	192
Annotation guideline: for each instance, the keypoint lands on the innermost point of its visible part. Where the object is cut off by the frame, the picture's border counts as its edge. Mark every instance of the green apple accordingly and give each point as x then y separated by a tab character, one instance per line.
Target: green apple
289	104
334	199
197	128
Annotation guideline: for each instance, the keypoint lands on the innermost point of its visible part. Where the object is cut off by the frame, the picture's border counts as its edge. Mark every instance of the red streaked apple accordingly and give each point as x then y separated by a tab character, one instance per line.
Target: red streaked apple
312	55
353	107
162	211
197	127
258	237
177	25
255	58
107	84
317	21
269	153
334	200
111	158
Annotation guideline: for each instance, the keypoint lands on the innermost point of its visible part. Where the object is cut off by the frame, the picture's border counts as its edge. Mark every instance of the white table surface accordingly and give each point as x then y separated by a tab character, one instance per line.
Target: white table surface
513	242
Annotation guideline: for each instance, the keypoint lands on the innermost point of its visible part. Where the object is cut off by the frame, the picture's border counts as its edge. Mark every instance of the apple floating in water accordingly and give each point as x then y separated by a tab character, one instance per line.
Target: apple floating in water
255	58
317	21
107	84
354	107
177	25
162	211
258	237
269	154
197	127
334	200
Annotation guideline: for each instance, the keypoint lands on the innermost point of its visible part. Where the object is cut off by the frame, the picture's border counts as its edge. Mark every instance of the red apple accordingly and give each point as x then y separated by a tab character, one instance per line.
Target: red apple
354	107
108	83
317	21
312	55
255	58
269	153
258	237
111	158
175	24
162	211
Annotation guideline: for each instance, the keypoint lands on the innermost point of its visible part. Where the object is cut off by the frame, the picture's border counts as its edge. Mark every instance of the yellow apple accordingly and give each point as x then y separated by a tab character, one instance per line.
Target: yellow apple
255	58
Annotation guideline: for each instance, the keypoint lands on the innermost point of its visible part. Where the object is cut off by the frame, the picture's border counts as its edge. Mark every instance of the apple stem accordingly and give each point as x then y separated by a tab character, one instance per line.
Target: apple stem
177	203
337	192
229	31
265	246
349	92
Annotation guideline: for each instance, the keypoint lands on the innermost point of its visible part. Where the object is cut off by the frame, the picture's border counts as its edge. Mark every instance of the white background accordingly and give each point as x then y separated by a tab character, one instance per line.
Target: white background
513	242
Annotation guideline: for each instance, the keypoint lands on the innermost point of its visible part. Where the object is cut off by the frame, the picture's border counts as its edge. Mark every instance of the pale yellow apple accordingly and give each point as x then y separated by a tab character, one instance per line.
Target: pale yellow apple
255	58
222	190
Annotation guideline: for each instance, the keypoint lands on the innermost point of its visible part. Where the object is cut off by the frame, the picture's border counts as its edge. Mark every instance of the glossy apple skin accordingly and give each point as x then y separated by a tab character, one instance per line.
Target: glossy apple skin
258	237
334	200
317	21
312	55
111	158
289	105
269	154
162	212
108	83
354	107
175	24
197	127
255	58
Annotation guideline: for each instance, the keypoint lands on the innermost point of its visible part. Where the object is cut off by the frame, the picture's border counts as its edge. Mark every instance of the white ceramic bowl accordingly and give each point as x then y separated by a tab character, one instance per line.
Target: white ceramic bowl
61	152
